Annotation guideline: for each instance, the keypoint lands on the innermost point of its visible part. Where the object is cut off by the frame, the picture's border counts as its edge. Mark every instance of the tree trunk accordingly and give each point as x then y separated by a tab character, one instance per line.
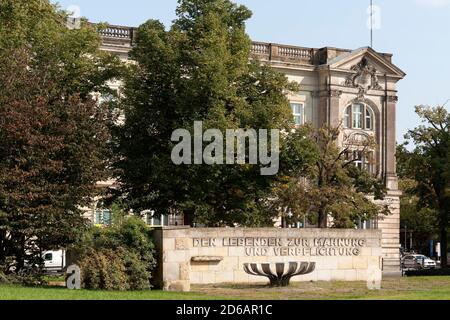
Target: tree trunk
20	251
188	216
323	219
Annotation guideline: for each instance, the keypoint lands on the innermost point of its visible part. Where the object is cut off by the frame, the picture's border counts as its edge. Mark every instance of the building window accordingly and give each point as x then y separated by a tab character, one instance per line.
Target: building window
369	119
362	160
103	217
368	224
348	118
157	220
359	116
298	110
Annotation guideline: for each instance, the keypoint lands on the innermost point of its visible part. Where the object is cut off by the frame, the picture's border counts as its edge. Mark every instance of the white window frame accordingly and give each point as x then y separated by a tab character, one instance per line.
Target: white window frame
164	220
357	120
301	114
363	162
101	220
348	118
368	116
358	116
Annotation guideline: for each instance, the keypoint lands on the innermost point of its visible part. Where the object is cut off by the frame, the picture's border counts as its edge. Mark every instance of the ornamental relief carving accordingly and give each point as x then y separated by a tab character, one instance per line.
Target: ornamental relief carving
356	139
364	79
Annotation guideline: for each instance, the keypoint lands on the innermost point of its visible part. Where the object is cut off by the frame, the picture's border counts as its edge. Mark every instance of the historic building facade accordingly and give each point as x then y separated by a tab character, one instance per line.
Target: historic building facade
355	88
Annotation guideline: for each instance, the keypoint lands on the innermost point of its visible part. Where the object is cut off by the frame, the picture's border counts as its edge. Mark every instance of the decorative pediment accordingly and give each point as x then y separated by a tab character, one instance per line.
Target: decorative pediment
366	60
365	70
364	77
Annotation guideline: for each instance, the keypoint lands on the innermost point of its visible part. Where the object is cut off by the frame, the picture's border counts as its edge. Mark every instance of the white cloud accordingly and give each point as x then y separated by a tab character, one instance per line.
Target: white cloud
434	3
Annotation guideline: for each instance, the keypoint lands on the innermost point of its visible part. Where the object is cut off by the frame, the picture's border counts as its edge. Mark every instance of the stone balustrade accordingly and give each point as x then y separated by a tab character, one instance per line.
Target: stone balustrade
270	52
261	50
276	52
118	32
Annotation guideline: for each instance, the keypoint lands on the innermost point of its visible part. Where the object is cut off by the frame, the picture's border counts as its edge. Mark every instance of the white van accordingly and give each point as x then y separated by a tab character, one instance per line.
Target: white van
54	261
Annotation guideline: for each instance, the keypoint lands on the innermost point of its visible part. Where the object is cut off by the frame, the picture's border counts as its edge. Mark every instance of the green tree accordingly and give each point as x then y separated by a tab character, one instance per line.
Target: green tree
201	70
54	135
429	165
333	187
422	221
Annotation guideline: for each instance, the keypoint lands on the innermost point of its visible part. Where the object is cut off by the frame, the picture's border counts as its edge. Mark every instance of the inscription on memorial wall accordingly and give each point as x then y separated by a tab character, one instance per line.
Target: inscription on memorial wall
305	247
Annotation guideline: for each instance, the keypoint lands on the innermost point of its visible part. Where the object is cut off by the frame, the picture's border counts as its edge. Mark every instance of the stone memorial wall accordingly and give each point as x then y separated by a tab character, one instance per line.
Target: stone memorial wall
210	256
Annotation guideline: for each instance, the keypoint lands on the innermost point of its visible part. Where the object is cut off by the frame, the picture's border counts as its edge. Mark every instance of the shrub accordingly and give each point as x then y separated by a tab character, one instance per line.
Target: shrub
136	270
119	257
26	277
4	279
104	269
427	273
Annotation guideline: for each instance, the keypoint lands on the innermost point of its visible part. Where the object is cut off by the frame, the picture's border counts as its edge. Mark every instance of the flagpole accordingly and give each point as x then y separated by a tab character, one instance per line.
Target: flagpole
371	23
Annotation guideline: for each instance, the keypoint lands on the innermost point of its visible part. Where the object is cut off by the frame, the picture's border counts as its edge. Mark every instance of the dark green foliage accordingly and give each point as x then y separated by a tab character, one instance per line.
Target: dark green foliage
27	277
4	279
333	187
428	166
422	221
428	273
200	70
120	257
54	135
103	270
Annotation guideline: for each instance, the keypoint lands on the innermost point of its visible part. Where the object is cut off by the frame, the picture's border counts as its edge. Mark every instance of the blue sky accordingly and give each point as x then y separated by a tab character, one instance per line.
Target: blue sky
417	32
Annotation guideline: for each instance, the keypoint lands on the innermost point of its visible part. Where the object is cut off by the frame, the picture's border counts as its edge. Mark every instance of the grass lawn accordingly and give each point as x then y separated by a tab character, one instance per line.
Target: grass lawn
420	288
8	292
414	288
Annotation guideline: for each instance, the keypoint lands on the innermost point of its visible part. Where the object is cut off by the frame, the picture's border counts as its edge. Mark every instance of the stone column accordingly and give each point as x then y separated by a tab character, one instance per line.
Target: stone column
390	225
391	141
328	104
321	108
335	118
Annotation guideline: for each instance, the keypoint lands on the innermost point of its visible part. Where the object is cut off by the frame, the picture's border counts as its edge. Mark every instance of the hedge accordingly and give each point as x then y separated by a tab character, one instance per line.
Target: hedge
427	272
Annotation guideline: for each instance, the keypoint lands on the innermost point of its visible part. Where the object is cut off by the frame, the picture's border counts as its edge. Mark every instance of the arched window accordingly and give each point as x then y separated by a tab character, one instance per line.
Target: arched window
362	160
369	119
359	116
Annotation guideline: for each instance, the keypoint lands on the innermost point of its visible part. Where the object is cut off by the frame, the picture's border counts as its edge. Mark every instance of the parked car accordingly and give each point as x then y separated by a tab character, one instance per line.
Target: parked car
418	261
54	261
